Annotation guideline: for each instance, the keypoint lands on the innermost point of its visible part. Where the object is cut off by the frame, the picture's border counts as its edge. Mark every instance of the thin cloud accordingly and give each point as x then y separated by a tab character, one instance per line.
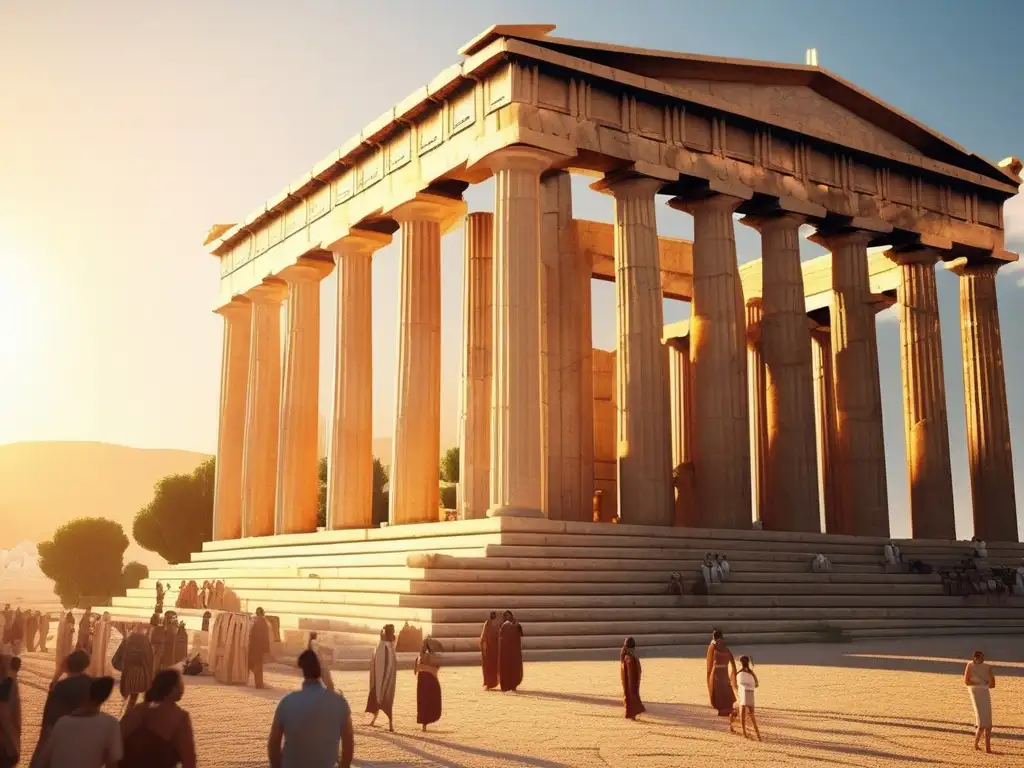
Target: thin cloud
889	315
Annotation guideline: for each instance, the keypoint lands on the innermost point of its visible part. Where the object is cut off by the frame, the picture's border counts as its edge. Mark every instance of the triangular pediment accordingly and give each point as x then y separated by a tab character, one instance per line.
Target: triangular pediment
800	105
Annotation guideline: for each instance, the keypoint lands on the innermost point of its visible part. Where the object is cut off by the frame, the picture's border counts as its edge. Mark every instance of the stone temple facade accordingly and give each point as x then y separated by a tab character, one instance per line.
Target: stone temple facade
773	384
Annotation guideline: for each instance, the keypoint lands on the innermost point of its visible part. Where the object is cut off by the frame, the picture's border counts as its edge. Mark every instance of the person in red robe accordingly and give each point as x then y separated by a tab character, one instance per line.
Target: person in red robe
630	672
510	653
489	650
720	677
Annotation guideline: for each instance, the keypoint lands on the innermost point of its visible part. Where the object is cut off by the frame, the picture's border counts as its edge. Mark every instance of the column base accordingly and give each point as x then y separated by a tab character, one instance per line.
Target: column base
514	512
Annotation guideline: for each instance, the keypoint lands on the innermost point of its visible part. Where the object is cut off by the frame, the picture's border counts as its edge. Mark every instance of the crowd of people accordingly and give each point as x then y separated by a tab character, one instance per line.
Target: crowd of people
26	630
312	726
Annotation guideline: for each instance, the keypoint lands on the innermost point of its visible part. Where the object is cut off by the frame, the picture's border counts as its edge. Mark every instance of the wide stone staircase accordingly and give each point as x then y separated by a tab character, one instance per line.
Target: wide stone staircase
580	588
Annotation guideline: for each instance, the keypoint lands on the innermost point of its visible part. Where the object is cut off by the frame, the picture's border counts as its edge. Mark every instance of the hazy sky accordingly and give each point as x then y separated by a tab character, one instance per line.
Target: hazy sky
127	129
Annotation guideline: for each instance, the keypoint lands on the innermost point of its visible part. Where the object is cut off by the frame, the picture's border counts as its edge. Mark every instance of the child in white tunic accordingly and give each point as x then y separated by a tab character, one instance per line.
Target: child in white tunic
746	682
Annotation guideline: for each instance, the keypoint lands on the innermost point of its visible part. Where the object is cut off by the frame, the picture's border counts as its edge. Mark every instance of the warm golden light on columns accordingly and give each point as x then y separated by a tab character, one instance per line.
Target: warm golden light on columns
859	456
790	489
988	424
825	425
297	486
517	448
350	466
926	425
644	430
680	383
477	358
416	447
262	414
758	409
718	354
234	381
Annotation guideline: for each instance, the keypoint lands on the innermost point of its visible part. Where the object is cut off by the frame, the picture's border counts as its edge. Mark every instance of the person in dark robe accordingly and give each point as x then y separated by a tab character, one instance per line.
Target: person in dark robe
65	697
489	650
204	596
85	631
170	638
137	671
17	632
720	676
428	685
31	629
259	646
159	597
157	639
181	643
206	621
630	673
44	631
510	653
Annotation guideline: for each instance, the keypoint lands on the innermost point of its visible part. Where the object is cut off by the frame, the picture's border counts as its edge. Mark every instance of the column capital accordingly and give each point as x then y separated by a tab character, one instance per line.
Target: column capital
426	206
306	270
238	306
718	202
964	266
755	317
772	222
831	240
520	158
359	242
271	291
628	185
923	255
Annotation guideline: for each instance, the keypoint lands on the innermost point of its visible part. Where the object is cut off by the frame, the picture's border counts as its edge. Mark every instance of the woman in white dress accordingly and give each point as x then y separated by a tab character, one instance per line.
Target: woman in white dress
980	680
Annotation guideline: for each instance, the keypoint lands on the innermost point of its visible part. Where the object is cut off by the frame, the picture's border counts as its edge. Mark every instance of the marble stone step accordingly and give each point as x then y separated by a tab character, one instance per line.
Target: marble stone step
494	562
349	548
653	553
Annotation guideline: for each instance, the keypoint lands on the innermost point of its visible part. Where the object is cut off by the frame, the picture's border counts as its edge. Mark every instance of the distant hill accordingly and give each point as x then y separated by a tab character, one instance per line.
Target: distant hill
43	485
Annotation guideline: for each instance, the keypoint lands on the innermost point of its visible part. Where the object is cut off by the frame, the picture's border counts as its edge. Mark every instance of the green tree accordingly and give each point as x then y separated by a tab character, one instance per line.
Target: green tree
380	494
84	559
133	574
450	465
321	499
180	517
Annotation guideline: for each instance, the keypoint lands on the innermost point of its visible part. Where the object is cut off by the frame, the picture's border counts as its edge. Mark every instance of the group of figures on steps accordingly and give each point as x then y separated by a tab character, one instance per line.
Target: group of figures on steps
213	595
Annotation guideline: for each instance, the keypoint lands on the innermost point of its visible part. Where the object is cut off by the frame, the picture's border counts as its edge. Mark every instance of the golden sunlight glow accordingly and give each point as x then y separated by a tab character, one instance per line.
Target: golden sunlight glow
20	325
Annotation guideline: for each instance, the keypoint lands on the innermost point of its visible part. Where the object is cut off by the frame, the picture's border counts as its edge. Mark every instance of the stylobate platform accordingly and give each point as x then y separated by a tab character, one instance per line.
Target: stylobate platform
580	588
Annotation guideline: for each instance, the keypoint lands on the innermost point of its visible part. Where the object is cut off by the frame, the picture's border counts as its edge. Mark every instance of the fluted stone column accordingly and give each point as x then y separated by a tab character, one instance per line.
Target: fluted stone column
416	449
926	425
758	410
350	466
988	425
859	456
791	482
234	381
477	358
297	486
644	429
517	472
262	413
721	432
567	357
680	393
825	425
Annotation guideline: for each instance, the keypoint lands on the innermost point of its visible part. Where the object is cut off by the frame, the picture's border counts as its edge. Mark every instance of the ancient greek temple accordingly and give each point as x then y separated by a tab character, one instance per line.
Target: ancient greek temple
765	403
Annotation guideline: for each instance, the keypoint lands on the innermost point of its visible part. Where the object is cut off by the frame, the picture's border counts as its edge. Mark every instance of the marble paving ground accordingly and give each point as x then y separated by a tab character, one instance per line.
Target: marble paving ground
892	703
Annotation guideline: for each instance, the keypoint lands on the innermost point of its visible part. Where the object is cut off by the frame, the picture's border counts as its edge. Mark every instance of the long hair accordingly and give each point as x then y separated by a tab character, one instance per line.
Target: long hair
164	685
628	645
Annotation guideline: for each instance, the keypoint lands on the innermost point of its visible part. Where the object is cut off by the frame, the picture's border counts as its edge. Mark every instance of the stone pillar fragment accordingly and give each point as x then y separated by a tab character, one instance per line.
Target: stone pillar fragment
644	430
758	411
825	425
350	466
721	429
517	472
859	455
416	447
926	425
988	424
297	486
477	358
790	491
234	381
567	344
605	427
262	413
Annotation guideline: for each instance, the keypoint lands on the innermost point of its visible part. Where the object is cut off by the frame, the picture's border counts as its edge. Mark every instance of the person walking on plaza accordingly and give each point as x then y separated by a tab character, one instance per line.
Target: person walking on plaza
383	674
510	653
137	665
31	629
65	696
259	647
428	685
719	663
630	672
325	670
312	723
489	650
745	681
86	738
44	631
17	632
980	679
158	733
65	642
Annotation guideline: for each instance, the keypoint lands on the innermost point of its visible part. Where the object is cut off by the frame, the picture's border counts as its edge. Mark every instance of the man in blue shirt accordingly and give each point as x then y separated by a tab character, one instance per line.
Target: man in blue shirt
311	722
